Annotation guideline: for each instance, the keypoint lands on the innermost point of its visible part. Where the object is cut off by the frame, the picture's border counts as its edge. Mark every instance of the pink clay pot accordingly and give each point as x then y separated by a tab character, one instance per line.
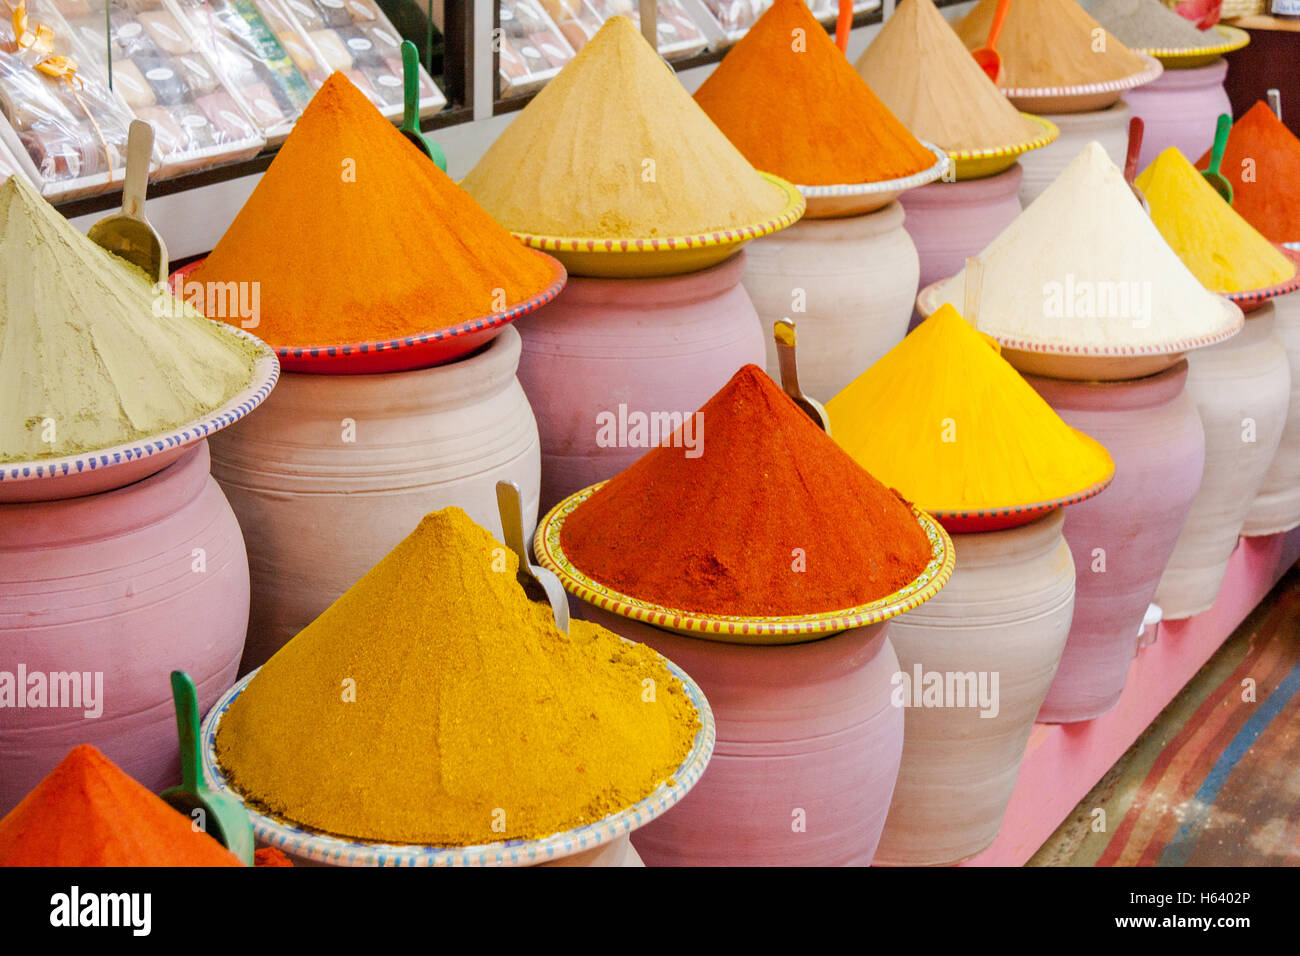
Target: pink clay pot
1151	428
801	727
653	345
1180	109
131	583
1277	506
1005	612
950	221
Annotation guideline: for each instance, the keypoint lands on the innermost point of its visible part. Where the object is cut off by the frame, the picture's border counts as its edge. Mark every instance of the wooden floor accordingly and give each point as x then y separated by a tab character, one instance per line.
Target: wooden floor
1215	780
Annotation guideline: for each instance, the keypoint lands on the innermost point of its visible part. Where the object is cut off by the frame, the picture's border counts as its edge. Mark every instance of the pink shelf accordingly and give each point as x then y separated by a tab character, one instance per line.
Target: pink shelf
1064	761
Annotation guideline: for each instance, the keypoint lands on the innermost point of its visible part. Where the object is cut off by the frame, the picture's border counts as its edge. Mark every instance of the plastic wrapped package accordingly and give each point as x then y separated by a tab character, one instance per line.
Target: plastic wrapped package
168	80
735	17
354	37
8	162
679	35
237	39
67	134
532	46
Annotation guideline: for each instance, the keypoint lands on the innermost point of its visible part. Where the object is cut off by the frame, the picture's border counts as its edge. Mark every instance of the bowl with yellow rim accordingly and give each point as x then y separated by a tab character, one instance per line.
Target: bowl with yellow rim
793	629
648	256
1099	362
856	199
587	840
981	163
1082	97
1188	58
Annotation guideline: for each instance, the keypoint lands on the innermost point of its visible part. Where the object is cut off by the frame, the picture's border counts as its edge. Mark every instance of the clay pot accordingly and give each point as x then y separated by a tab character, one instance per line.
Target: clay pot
1005	613
857	279
1277	506
129	584
950	221
1242	388
647	345
1108	127
334	470
1180	108
806	757
1121	539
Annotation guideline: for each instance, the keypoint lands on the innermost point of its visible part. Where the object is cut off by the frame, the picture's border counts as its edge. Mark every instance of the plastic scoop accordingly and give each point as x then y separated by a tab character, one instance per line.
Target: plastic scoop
127	234
1275	103
220	816
843	24
987	56
538	583
410	127
784	333
1212	175
1135	128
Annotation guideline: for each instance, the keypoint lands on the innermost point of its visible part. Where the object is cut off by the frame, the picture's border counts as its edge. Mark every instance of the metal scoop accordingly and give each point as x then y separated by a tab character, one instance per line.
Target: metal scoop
410	127
538	583
1212	175
784	334
222	817
1135	128
1275	103
987	56
128	234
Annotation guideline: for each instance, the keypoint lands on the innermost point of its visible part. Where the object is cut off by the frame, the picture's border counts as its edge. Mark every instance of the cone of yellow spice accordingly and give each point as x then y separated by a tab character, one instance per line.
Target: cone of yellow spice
614	147
947	421
1221	249
435	704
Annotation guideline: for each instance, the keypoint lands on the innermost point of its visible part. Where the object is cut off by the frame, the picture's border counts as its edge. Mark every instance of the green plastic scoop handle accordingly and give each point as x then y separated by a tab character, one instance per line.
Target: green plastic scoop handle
410	127
222	817
1212	175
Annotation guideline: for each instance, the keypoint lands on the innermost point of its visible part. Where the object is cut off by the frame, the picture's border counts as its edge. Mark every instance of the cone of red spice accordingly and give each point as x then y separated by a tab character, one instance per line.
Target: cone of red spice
1262	161
772	519
87	812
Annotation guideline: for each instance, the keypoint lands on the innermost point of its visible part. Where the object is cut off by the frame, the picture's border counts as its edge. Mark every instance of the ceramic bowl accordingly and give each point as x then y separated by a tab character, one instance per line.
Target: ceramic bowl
855	199
1252	299
1084	97
640	258
318	847
104	469
982	163
420	350
1187	58
794	629
1002	519
1096	363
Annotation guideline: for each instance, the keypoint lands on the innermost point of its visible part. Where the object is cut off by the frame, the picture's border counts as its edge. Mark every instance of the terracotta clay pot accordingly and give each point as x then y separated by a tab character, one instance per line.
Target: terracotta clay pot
1122	538
648	345
334	470
129	585
806	757
1108	127
1180	108
950	221
1277	506
1242	388
855	280
1004	615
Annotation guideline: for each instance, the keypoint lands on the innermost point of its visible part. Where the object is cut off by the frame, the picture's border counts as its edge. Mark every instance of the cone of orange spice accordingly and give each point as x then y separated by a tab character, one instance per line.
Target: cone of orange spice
794	106
761	514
